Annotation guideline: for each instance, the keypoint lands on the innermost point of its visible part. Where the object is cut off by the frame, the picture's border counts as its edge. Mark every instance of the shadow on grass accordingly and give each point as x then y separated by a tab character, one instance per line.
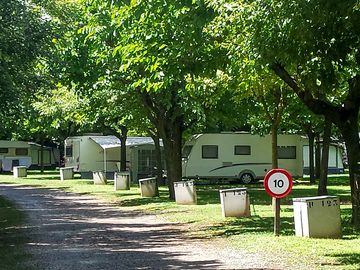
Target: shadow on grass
6	173
46	172
12	183
255	224
347	258
334	180
163	198
210	194
44	177
48	175
348	230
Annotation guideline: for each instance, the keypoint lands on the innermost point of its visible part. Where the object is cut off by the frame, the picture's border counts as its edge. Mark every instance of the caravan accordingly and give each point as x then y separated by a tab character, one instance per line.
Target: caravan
20	153
246	157
90	153
14	153
240	156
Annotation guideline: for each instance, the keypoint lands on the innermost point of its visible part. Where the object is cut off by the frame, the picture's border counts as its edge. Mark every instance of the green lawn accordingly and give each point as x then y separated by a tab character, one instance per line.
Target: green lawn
254	234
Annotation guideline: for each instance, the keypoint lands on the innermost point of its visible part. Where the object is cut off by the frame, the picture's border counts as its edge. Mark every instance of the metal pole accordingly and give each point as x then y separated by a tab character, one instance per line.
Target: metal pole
277	217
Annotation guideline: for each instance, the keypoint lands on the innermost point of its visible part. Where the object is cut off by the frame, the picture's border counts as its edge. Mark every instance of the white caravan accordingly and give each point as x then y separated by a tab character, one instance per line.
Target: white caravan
240	156
14	153
90	153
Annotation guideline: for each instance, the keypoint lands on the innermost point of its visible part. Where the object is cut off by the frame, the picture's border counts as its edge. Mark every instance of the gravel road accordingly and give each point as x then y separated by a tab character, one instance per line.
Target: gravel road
70	231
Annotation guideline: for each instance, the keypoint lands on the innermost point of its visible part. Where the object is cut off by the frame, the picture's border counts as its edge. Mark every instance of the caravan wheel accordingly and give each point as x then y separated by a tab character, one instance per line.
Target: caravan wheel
246	178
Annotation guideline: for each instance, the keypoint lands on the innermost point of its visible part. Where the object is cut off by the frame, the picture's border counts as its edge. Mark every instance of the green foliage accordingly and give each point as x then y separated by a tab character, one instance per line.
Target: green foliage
269	99
61	112
153	46
23	32
316	40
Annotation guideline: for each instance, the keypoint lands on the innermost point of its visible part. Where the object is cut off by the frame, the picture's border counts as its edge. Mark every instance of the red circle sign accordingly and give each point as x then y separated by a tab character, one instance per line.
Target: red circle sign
278	183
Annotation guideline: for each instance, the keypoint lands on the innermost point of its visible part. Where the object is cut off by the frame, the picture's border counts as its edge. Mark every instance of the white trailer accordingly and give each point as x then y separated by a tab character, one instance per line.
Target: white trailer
90	153
14	153
240	156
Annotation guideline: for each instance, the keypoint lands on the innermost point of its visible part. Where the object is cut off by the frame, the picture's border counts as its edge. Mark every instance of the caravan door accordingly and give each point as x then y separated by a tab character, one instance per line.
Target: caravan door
72	154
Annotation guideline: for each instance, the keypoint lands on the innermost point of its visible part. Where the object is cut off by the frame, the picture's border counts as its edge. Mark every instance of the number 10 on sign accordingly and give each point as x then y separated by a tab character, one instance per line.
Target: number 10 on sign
278	183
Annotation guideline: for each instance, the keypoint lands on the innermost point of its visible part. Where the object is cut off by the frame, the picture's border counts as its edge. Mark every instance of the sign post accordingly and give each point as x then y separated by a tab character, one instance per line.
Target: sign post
278	184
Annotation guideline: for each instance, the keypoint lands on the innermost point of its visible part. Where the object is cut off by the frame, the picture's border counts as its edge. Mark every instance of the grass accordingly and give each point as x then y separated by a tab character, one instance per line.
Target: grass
254	234
12	239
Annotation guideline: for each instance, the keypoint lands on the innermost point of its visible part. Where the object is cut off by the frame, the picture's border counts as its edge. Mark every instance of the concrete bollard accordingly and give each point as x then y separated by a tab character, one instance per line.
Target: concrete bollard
317	217
235	202
19	171
185	192
148	187
99	178
122	181
66	173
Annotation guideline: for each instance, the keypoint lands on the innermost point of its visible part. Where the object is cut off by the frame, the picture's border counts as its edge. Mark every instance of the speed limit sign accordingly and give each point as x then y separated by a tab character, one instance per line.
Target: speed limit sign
278	183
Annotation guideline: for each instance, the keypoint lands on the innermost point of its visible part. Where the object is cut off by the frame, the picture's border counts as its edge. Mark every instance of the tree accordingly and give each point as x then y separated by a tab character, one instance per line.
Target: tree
23	39
61	110
153	49
312	47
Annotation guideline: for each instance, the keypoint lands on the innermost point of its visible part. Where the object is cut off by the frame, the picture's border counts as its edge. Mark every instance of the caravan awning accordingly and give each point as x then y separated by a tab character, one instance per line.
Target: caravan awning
106	142
133	141
112	142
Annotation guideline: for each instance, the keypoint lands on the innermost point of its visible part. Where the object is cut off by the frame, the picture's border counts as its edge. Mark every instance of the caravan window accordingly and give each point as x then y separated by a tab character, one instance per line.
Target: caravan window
186	151
286	152
68	151
21	151
4	150
242	150
210	151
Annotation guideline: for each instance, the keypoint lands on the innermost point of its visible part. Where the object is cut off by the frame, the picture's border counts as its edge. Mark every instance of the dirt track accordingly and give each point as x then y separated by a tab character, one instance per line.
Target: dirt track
69	231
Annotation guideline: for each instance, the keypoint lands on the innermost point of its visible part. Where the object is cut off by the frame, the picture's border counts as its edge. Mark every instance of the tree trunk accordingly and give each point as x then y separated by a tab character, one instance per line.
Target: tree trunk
172	138
349	131
317	157
322	188
274	144
169	122
311	137
42	156
159	166
123	137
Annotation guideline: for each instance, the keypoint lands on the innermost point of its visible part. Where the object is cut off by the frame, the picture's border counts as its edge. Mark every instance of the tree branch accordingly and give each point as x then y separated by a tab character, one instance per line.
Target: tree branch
317	106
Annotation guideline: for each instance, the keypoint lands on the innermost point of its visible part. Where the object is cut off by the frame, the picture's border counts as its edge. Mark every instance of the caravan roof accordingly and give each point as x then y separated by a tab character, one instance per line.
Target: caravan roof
106	141
14	144
112	141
